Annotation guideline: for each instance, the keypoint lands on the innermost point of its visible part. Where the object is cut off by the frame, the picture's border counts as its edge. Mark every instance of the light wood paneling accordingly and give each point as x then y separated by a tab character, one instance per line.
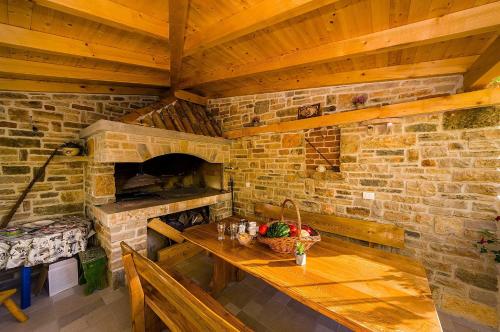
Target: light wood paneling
10	84
111	13
40	69
16	37
455	25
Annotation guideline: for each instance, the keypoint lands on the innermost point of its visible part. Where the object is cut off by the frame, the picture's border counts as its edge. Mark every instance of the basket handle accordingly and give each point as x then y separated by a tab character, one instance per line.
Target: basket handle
299	221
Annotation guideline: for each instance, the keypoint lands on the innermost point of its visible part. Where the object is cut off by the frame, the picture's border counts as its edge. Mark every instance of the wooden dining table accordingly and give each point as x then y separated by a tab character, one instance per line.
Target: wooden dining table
362	288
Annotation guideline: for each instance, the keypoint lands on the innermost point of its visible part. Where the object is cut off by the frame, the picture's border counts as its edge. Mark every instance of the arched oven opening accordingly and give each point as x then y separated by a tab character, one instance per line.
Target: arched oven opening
173	175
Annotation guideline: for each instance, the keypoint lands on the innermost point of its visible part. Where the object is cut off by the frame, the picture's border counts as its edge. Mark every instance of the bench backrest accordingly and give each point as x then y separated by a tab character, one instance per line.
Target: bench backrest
369	231
170	300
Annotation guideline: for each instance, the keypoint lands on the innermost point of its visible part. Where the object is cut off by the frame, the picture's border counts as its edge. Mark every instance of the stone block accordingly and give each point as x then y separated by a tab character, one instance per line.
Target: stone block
58	209
104	185
19	142
466	308
16	170
480	280
421	127
390	141
349	144
472	118
291	140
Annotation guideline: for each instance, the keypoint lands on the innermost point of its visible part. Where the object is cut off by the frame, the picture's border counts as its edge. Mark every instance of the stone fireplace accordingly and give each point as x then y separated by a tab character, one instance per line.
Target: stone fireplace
136	173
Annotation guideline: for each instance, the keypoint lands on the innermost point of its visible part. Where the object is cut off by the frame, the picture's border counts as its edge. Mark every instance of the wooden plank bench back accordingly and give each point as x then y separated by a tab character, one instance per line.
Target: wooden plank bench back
179	303
369	231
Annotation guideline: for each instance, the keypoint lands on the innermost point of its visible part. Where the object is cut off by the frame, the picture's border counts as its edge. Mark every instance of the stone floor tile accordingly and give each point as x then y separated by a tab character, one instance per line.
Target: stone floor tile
75	326
68	317
232	308
252	308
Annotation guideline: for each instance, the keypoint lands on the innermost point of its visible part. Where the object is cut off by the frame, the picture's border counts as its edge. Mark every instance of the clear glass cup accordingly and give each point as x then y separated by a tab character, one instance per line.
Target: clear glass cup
221	228
233	229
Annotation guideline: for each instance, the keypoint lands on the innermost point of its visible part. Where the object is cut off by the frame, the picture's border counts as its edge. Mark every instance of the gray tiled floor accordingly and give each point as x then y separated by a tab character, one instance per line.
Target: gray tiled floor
254	302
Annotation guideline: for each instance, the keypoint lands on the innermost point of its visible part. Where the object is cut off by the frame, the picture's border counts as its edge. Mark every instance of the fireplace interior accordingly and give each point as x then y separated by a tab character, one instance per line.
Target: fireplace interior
168	176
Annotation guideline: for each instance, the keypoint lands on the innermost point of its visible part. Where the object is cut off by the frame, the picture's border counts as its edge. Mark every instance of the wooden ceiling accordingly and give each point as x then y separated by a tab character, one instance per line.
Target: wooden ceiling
235	47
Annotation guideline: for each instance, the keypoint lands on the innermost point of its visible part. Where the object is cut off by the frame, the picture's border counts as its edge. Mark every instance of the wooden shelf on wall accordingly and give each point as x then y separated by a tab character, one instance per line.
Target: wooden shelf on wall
480	98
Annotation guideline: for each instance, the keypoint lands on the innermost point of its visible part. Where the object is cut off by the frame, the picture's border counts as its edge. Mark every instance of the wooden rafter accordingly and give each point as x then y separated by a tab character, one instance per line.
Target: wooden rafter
132	116
257	17
473	99
475	20
49	70
11	84
421	69
485	69
26	39
178	10
111	13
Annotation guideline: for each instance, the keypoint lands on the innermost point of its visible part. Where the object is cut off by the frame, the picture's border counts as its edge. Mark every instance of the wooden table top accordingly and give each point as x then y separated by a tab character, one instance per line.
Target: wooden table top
364	289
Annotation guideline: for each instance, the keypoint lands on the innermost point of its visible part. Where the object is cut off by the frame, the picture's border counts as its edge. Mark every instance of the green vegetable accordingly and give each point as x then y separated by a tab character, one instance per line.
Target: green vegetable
278	229
300	249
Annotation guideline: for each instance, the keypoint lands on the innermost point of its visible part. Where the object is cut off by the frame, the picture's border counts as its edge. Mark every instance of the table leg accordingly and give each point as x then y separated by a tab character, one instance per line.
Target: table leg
25	287
223	273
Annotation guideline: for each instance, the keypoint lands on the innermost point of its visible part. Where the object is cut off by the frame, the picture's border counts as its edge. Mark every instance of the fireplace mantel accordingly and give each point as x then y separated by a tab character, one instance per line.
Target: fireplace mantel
114	142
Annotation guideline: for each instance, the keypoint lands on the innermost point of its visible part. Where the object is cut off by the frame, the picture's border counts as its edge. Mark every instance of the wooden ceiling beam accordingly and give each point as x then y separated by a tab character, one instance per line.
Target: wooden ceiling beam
12	84
41	69
178	11
408	71
111	13
15	37
263	14
466	100
485	69
191	97
472	21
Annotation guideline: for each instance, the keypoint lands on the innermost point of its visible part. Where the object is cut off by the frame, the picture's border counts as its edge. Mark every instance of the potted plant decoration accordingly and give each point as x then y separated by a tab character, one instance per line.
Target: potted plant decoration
300	254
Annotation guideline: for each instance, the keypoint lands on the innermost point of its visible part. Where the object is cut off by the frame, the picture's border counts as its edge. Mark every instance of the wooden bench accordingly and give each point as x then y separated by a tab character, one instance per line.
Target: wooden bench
369	231
179	303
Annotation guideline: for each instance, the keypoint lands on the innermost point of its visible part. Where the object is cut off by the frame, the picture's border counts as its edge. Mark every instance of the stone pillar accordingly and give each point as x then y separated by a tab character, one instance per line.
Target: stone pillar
110	232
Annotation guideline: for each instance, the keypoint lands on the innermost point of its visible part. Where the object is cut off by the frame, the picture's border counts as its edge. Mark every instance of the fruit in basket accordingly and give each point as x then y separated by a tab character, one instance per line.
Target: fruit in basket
308	229
304	232
278	229
263	229
293	228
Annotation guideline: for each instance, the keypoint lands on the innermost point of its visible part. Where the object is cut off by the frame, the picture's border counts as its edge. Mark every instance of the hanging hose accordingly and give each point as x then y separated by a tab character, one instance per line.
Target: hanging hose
38	175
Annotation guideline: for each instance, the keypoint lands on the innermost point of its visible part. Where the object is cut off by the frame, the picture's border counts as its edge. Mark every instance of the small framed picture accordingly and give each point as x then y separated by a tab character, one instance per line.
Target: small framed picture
309	111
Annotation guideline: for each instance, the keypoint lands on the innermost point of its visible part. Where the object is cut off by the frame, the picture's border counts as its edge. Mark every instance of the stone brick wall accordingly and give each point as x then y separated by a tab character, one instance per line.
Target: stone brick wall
434	175
58	118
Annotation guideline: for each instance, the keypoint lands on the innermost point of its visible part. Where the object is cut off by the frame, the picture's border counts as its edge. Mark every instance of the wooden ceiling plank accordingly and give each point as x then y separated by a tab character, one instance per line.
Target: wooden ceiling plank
111	13
257	17
42	69
19	13
485	69
407	71
455	25
11	84
189	96
178	11
15	37
466	100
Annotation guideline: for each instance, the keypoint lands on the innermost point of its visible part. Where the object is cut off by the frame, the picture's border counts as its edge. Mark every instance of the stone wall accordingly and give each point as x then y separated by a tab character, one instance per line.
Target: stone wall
57	118
434	175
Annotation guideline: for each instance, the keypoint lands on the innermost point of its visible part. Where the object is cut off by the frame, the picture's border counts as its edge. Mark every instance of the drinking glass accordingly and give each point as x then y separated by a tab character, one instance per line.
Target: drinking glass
221	228
233	228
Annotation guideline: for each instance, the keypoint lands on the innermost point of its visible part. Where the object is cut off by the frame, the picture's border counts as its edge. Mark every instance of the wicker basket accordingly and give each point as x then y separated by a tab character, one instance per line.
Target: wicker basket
287	244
